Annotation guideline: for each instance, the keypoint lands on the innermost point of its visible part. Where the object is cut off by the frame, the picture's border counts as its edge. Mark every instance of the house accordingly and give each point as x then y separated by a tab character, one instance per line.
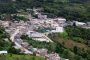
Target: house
57	29
41	52
25	44
5	23
3	52
34	34
61	21
79	23
40	16
52	56
88	24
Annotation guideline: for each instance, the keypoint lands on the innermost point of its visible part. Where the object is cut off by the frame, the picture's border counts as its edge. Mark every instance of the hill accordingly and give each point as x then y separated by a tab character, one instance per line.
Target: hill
73	44
69	9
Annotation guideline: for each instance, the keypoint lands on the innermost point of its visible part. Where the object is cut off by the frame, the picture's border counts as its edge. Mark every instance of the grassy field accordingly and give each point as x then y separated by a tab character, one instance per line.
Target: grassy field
20	57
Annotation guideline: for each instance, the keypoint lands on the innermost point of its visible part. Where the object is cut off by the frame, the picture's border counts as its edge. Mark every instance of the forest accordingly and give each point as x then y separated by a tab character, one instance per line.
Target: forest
73	43
70	9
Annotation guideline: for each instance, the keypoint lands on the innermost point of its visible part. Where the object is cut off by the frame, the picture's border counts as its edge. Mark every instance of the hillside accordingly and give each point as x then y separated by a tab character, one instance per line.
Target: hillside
73	44
69	9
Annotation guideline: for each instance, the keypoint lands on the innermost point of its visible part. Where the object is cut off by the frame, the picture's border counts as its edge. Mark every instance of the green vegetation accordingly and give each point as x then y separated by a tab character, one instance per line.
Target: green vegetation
64	35
69	9
37	44
20	57
78	34
73	43
19	18
4	45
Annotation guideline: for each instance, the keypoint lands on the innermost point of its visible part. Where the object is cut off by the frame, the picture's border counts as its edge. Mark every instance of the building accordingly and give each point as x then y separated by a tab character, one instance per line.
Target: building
61	21
79	23
38	36
52	56
59	29
40	16
41	52
88	24
3	52
5	23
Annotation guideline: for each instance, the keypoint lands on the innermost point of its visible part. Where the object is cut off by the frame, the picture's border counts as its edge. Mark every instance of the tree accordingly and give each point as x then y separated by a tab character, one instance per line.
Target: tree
13	50
75	49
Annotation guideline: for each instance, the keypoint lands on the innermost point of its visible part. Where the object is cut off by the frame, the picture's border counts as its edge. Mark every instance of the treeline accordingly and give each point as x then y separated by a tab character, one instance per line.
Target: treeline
80	35
70	9
78	32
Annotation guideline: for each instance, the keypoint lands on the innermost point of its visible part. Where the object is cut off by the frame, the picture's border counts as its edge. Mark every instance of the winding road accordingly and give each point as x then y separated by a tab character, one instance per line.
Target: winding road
26	51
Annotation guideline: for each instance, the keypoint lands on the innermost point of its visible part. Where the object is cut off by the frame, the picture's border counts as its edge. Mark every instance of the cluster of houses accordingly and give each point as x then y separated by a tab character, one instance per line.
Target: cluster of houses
16	29
48	56
44	22
53	25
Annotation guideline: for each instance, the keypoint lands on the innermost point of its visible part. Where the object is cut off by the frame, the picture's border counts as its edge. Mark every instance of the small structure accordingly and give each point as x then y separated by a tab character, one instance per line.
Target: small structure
61	21
79	23
38	36
88	23
42	16
52	56
5	23
66	59
41	52
3	52
59	29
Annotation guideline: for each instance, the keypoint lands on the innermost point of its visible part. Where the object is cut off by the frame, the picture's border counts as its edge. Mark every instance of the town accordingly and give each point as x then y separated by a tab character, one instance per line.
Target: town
31	28
38	29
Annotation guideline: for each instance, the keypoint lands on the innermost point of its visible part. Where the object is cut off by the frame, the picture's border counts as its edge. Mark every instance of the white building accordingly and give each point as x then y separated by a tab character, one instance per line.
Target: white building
59	29
3	52
79	23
